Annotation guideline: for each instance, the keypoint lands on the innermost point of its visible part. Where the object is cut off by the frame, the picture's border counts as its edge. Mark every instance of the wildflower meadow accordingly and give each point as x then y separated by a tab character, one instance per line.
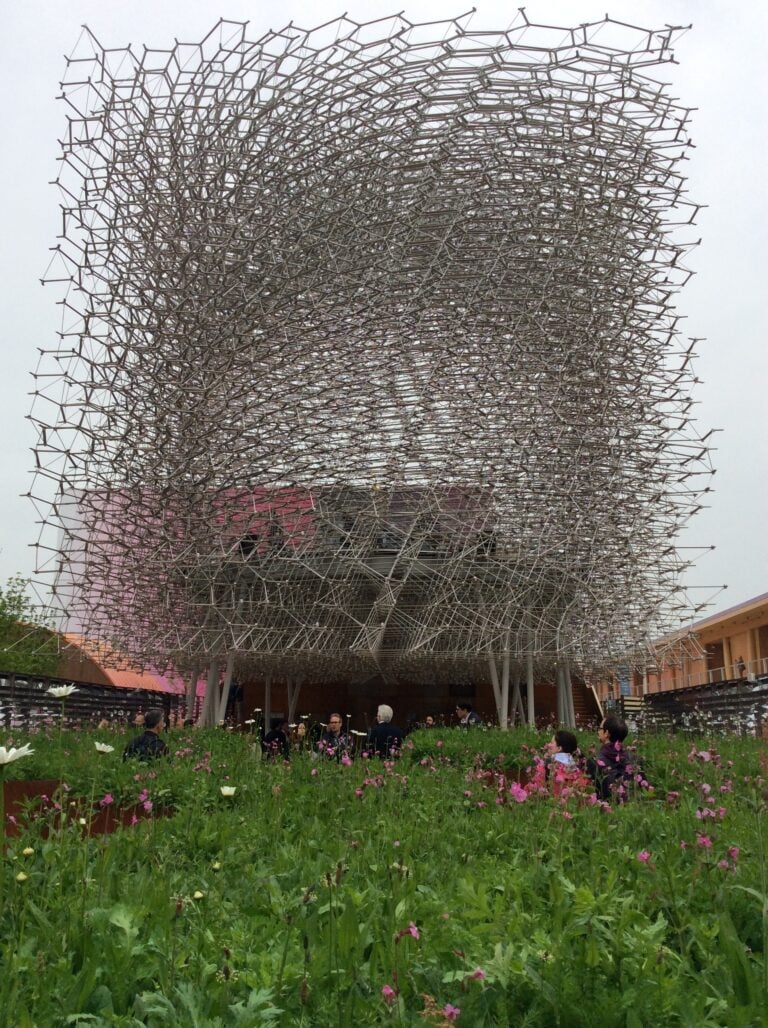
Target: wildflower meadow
454	885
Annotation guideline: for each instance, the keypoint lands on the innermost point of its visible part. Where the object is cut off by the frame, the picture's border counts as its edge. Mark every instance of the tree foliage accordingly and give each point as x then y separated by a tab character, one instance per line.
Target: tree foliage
27	643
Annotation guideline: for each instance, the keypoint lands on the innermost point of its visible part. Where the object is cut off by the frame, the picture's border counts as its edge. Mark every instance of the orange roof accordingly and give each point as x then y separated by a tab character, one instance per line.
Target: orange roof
116	666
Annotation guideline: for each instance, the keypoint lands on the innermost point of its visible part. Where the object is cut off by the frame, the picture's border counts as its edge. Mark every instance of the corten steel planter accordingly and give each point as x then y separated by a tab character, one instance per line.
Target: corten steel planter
25	797
32	798
106	820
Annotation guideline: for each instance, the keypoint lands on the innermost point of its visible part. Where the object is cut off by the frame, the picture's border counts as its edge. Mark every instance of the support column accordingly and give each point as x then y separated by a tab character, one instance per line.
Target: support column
226	686
504	706
570	709
191	692
728	670
294	688
207	714
752	667
529	687
517	699
495	683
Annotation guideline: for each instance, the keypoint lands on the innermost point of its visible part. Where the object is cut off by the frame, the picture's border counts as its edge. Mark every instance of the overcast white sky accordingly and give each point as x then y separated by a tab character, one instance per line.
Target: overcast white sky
721	72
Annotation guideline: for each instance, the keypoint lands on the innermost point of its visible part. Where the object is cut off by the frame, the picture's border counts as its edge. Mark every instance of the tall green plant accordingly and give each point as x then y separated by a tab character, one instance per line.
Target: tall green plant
27	644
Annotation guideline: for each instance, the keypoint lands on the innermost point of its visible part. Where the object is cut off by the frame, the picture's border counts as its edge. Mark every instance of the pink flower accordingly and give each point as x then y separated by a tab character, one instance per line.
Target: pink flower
724	865
733	852
704	841
467	793
134	819
346	761
314	772
440	744
477	975
518	793
106	799
359	793
147	805
388	993
451	1013
683	844
413	930
644	856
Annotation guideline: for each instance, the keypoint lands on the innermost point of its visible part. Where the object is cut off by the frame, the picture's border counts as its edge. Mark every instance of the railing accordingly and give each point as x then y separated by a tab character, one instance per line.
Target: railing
737	705
752	670
25	702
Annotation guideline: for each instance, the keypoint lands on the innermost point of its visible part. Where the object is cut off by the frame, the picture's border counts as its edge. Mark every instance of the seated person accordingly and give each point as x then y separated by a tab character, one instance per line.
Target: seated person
563	769
564	748
149	745
610	770
467	716
385	739
278	742
333	742
299	735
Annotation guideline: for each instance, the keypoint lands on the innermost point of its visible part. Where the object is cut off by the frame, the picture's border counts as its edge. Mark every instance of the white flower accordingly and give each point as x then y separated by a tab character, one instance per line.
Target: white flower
103	747
8	756
250	721
60	692
228	790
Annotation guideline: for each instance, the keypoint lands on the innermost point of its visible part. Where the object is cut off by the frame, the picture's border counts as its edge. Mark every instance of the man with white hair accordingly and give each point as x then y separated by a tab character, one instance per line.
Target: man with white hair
385	739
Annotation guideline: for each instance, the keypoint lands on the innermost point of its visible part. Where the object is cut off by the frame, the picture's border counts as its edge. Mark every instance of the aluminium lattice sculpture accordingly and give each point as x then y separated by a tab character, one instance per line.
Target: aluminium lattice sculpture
368	358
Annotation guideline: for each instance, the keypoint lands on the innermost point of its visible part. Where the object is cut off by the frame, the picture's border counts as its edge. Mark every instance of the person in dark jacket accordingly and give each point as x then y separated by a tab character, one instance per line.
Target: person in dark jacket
610	769
385	739
148	745
467	716
278	741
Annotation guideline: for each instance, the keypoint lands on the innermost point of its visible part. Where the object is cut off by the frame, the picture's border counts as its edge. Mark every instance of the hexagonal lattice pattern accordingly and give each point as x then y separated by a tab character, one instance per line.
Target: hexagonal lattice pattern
368	359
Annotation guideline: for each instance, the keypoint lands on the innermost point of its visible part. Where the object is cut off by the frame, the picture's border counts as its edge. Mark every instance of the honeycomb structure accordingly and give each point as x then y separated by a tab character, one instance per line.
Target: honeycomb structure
369	360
